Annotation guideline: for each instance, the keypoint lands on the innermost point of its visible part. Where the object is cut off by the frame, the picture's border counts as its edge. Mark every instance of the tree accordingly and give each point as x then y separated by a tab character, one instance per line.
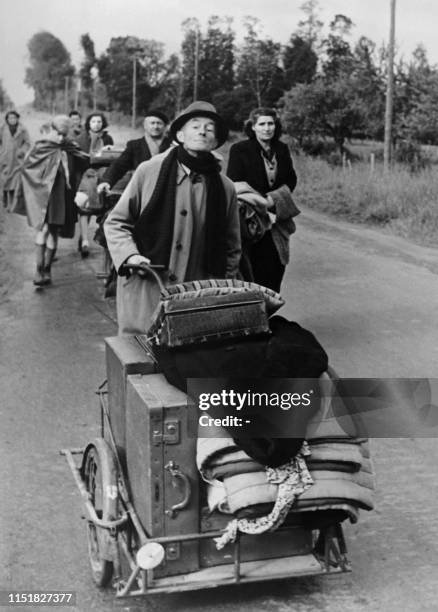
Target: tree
258	67
339	56
89	61
416	96
5	100
116	71
299	62
309	28
168	94
234	106
326	108
216	66
50	64
371	86
214	53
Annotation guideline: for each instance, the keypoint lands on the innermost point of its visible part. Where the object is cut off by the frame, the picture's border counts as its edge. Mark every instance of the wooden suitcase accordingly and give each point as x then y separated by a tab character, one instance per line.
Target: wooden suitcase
124	356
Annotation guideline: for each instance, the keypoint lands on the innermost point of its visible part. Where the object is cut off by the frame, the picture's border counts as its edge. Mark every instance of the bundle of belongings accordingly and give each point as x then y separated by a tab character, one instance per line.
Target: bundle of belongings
259	214
227	329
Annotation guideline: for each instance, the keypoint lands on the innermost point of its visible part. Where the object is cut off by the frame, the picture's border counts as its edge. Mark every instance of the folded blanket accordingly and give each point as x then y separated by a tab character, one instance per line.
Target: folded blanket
362	478
346	452
244	490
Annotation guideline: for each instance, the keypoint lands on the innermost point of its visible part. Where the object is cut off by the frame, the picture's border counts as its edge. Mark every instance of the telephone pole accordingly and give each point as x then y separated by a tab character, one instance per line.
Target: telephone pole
134	91
66	92
389	92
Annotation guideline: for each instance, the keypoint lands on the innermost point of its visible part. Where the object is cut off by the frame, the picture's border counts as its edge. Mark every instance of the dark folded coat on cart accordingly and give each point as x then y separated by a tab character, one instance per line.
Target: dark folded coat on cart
289	352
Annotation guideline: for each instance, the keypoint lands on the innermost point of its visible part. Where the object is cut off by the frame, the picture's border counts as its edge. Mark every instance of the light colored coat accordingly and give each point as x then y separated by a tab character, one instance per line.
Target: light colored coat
13	149
137	298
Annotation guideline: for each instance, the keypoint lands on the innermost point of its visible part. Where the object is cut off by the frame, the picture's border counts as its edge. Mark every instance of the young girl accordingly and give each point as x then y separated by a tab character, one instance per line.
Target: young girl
92	141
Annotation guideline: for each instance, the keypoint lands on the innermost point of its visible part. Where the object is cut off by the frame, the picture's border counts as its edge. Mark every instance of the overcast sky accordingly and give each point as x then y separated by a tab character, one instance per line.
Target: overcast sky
161	20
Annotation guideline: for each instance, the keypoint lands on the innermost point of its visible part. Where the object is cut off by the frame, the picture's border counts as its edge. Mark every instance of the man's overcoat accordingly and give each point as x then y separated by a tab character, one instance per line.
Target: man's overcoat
137	298
13	149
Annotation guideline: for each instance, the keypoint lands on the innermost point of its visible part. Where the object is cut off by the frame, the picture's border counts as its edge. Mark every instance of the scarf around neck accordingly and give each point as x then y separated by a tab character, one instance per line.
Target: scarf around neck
153	231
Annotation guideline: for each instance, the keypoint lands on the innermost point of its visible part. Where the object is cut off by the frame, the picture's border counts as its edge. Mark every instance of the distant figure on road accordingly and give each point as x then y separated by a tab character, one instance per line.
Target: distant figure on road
76	129
47	184
92	141
264	163
14	144
139	150
178	211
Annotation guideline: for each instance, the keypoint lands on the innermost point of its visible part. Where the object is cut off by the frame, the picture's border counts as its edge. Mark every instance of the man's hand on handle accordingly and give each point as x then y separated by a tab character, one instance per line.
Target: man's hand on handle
137	260
103	187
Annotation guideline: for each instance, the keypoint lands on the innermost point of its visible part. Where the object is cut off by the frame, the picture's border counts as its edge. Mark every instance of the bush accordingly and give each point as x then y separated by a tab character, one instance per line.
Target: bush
403	203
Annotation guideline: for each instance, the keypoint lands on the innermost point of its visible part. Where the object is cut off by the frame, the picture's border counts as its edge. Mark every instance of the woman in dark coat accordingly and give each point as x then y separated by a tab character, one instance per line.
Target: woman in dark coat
92	141
265	164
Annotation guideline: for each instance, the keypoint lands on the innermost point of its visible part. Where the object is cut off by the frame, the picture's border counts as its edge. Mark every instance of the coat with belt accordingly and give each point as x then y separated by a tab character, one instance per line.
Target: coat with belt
137	298
13	148
136	152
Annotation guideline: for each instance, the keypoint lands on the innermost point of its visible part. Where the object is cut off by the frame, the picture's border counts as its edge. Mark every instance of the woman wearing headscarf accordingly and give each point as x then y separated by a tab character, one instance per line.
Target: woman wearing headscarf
92	141
264	176
14	144
46	187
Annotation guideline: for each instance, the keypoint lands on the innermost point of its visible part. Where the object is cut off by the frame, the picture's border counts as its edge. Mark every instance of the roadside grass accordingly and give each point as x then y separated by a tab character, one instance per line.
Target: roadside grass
404	203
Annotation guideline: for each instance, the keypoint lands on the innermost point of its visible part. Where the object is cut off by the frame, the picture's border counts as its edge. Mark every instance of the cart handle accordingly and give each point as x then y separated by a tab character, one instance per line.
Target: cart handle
145	269
176	473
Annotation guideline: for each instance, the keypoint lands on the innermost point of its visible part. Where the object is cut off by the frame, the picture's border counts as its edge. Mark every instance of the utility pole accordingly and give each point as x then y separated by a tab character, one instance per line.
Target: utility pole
389	92
77	92
195	79
134	91
66	90
94	74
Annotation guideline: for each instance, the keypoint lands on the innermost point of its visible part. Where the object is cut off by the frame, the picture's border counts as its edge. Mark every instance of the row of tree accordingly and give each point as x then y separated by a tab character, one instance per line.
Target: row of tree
5	101
323	84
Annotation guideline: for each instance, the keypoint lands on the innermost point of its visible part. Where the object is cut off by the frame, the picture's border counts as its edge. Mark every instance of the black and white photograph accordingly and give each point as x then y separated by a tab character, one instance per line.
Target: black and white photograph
219	305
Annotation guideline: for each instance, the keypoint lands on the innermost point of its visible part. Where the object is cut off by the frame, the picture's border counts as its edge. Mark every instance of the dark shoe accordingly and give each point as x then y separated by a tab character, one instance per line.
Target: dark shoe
84	251
47	276
80	245
39	280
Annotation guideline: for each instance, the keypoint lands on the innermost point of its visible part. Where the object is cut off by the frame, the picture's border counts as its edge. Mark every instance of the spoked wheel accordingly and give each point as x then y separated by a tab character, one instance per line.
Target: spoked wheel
99	471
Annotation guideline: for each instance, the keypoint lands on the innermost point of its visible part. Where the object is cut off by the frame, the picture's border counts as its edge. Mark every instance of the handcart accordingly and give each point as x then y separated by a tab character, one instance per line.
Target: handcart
148	527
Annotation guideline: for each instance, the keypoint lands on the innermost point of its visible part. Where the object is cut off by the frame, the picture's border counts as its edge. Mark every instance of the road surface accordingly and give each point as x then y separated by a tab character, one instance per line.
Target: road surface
371	299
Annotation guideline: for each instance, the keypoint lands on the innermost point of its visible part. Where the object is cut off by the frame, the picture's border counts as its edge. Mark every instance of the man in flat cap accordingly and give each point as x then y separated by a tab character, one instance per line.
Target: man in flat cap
47	184
178	211
139	150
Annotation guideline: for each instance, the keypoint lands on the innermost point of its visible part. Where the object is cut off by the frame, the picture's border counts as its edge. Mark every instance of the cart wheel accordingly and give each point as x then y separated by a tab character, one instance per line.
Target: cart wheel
100	477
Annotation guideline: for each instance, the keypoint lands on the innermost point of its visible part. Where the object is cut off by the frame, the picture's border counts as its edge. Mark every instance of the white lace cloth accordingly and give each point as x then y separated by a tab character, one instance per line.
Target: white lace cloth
292	478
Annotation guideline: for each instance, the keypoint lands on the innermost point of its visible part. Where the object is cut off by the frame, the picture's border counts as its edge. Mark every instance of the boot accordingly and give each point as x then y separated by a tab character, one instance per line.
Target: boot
39	280
47	270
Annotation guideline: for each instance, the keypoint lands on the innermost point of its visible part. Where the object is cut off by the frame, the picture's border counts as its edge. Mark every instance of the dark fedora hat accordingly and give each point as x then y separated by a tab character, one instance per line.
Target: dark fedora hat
154	112
200	108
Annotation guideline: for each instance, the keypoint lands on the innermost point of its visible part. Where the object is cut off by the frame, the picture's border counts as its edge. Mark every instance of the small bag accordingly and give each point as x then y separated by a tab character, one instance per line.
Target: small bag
90	206
209	318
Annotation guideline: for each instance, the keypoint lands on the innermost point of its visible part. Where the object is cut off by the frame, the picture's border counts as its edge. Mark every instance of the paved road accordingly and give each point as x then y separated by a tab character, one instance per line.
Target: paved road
370	299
